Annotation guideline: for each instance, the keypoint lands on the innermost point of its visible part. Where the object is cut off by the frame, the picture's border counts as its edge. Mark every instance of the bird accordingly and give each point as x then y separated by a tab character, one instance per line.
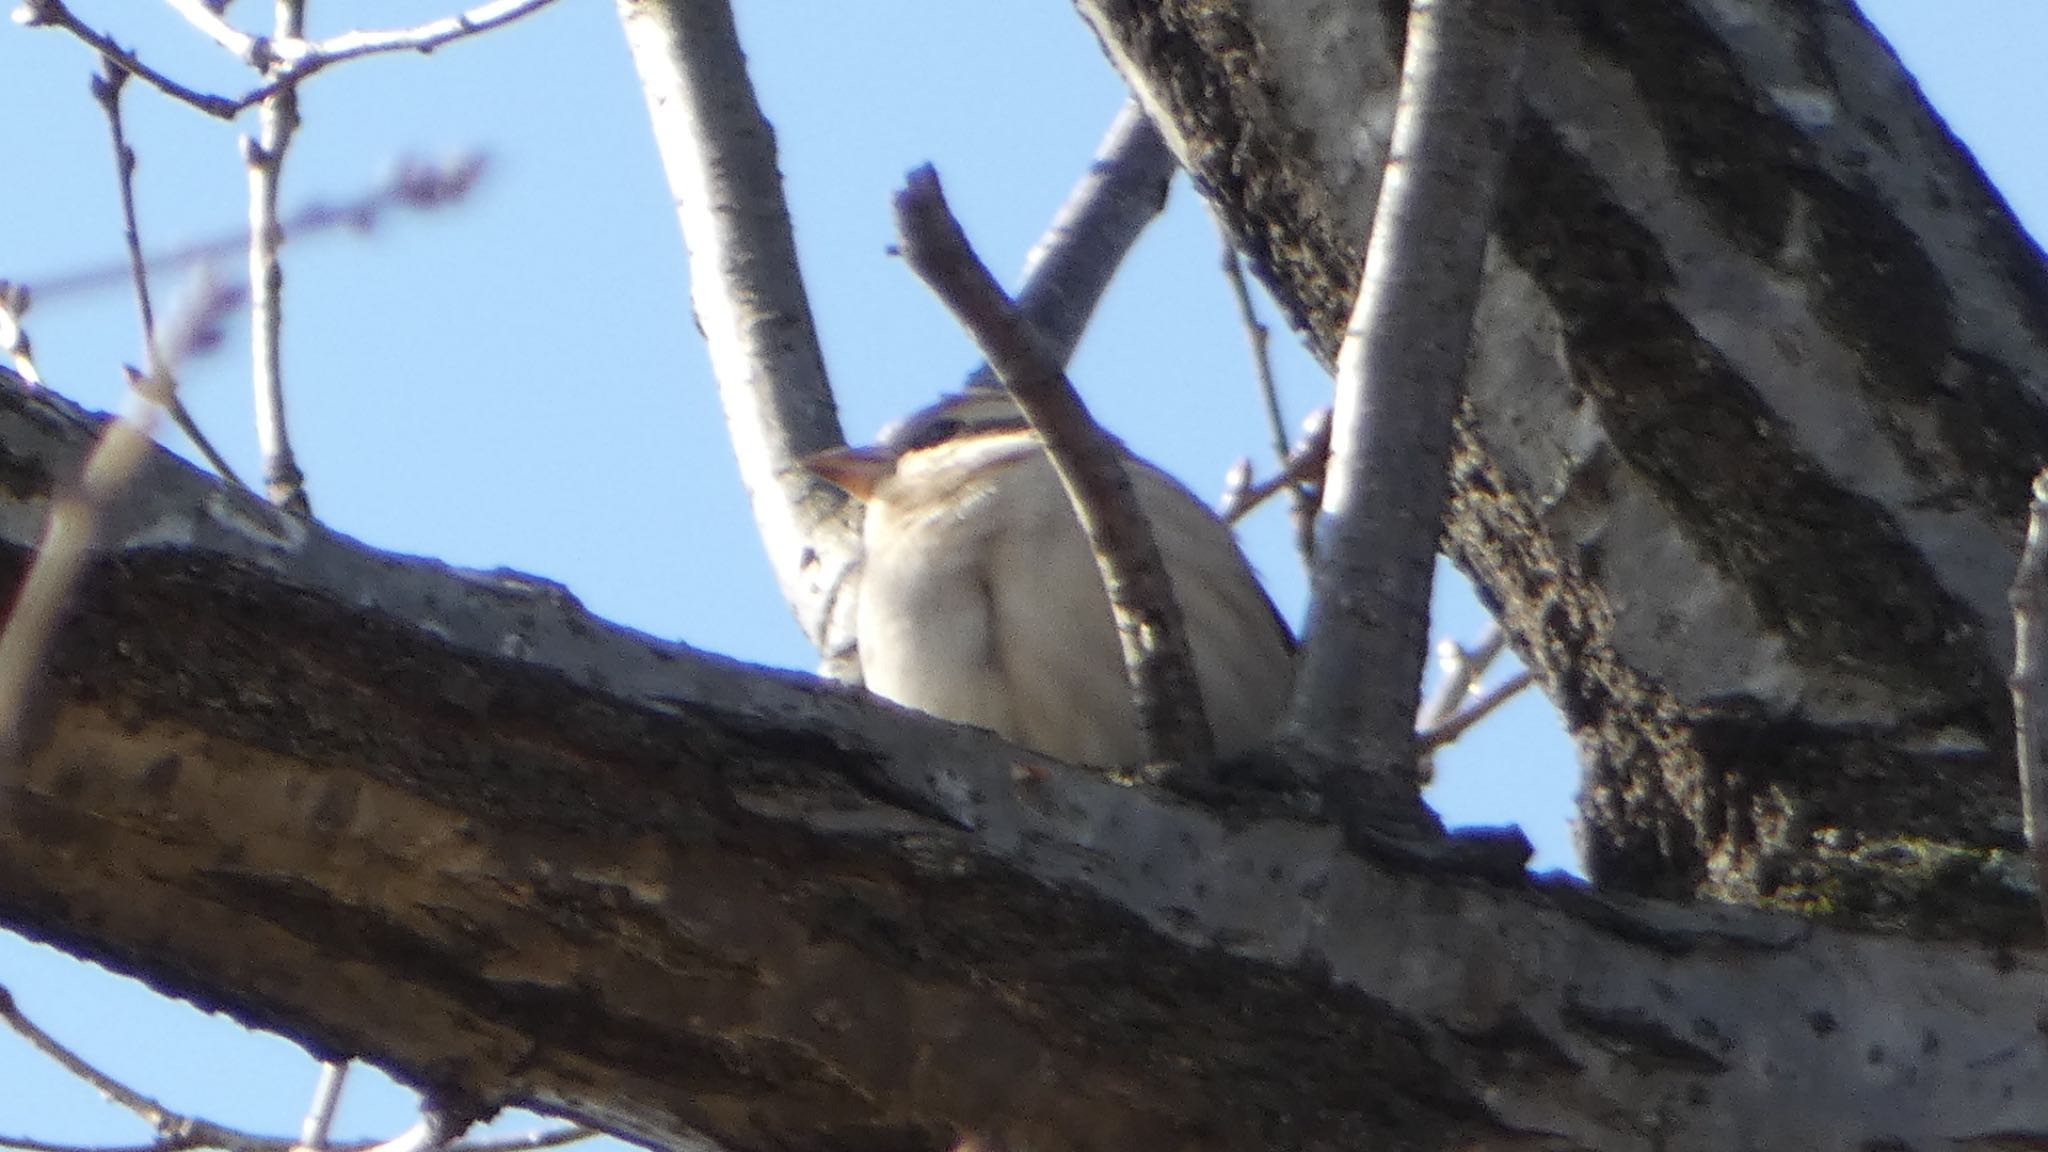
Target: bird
980	601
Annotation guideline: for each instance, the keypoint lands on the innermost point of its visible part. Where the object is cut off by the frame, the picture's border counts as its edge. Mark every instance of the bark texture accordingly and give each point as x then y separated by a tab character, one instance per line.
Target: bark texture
1756	393
449	822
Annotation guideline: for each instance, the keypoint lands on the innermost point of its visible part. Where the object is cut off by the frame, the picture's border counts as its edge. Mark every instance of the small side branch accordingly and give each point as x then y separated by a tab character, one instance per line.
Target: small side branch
106	91
1157	660
1400	377
2030	683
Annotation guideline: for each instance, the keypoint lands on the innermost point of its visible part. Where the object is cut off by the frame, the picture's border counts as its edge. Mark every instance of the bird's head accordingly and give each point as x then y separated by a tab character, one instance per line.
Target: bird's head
979	425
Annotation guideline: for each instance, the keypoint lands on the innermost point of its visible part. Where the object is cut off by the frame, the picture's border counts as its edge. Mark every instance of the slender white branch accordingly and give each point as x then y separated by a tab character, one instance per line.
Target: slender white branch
204	18
307	56
264	158
719	154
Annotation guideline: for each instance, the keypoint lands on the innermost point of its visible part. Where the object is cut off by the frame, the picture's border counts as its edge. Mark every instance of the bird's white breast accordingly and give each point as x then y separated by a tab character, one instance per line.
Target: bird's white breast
981	603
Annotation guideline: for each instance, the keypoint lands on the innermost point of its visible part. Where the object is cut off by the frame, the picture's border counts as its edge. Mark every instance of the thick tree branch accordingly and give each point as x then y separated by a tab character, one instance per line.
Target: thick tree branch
451	823
1150	629
1759	365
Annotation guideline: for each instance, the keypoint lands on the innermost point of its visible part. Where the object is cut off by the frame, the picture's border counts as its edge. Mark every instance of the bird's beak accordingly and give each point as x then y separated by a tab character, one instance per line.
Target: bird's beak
858	470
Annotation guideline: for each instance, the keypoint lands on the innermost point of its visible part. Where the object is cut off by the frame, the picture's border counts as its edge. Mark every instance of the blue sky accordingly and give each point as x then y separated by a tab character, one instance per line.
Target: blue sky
519	382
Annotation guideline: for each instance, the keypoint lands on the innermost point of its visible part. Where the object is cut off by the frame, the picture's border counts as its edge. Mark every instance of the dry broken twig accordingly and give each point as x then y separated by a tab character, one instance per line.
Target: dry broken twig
1157	659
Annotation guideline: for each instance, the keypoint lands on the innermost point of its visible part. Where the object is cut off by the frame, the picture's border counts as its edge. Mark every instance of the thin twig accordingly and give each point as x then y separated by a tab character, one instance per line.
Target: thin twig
1154	638
1462	669
318	1127
1400	376
177	1131
2030	684
55	14
1259	339
120	1094
1303	469
302	58
264	157
1437	735
106	91
1071	265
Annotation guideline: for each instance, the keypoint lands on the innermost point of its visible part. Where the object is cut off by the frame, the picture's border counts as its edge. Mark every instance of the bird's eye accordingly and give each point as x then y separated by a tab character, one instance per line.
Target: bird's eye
936	432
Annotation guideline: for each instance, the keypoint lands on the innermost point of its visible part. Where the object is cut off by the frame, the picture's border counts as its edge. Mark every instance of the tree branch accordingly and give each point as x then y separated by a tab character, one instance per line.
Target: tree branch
1400	376
674	896
1157	660
1067	271
719	154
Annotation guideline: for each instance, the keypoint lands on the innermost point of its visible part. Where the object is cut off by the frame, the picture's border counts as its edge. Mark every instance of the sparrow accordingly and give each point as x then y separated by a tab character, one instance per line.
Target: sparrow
980	600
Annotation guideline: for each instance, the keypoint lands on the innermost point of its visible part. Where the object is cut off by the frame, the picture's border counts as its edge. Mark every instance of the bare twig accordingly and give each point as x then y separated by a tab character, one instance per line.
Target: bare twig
55	14
318	1127
77	516
303	58
106	91
1302	469
177	1131
1258	338
1483	705
720	158
284	59
264	157
1067	271
2030	683
1149	626
1400	375
1462	669
414	183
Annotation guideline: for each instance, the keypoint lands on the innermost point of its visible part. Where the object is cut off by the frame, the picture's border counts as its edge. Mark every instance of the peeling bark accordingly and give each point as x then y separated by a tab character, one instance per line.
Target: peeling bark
1757	389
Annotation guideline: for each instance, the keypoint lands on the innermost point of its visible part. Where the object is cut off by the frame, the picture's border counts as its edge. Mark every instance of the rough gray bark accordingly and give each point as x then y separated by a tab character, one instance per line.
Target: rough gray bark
1756	395
449	822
